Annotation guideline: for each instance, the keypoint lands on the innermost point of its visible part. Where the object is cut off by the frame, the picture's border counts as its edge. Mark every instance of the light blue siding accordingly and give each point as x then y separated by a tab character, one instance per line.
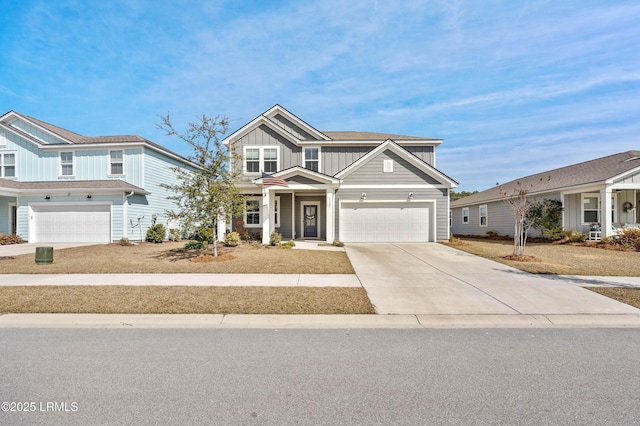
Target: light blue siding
4	214
37	133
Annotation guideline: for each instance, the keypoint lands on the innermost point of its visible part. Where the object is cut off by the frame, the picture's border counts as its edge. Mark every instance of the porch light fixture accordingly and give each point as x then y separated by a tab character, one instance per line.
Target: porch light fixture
363	196
411	195
47	197
89	196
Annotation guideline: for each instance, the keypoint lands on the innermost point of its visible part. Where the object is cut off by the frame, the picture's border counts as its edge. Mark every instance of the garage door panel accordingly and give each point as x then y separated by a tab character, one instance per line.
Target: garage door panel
74	224
384	222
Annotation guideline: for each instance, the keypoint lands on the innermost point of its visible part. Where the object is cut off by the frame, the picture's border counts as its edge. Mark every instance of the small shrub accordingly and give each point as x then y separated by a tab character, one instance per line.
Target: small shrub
338	243
578	237
174	234
610	241
555	234
288	244
194	245
205	234
453	239
275	238
232	239
492	234
155	233
10	239
630	238
124	241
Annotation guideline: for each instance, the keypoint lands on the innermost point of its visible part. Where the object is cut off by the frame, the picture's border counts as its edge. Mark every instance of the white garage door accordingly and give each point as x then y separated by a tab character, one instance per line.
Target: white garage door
72	224
384	222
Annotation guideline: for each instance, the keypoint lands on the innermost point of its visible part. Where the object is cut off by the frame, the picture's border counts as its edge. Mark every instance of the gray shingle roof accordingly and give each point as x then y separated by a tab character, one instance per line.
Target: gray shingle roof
594	171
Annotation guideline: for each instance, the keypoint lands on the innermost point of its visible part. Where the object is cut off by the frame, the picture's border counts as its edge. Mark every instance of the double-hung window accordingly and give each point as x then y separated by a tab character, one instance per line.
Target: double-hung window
261	159
590	208
465	215
66	163
116	163
483	215
312	159
252	212
8	165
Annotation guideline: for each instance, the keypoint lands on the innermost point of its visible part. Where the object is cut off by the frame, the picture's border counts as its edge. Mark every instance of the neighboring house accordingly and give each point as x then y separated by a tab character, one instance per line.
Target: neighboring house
59	186
605	191
351	186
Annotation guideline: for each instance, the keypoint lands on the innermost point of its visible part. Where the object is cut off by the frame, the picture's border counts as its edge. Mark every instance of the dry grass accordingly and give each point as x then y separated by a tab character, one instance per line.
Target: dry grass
184	300
558	259
166	258
630	296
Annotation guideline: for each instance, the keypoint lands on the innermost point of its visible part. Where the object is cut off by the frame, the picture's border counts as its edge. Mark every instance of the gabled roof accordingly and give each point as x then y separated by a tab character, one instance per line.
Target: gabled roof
403	153
73	138
598	171
301	171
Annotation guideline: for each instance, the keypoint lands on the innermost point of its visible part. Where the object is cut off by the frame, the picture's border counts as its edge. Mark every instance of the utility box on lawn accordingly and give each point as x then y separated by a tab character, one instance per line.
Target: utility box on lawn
44	255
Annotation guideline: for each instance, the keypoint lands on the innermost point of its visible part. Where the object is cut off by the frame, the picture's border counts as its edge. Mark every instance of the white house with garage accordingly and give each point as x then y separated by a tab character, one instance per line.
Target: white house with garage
59	186
351	186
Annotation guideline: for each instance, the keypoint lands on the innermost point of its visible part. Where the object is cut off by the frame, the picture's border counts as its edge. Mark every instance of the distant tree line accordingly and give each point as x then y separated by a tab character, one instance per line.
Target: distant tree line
453	195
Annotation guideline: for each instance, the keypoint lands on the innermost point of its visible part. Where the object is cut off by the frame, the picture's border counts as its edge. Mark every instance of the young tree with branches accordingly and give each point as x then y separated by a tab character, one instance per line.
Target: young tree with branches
207	193
516	200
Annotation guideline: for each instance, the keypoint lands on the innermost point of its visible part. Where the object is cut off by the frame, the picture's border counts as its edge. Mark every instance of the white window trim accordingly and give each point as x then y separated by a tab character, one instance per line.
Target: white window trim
304	157
465	215
261	149
73	165
111	163
486	215
597	209
387	166
15	164
253	225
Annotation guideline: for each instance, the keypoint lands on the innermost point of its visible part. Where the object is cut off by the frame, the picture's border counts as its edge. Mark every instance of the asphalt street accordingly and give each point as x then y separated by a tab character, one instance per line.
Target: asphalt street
363	376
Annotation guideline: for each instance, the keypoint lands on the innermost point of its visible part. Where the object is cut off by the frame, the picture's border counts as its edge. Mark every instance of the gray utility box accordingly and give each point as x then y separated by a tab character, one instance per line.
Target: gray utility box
44	255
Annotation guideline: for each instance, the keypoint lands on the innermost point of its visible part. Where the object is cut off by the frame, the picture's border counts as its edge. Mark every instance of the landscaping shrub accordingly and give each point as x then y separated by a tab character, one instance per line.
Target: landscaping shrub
630	238
10	239
492	234
205	234
232	239
288	244
194	245
555	233
338	243
275	238
124	241
577	237
155	233
174	234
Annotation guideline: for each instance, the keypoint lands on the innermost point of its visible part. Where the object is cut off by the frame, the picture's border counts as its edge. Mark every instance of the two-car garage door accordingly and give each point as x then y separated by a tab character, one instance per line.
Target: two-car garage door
71	224
384	222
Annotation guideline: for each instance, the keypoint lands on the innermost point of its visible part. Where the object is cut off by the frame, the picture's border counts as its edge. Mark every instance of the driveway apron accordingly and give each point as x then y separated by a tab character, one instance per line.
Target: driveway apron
428	278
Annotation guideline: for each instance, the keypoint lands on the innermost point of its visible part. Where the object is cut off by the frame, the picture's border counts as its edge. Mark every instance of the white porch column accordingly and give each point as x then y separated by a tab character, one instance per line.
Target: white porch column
222	228
562	218
268	216
605	211
330	216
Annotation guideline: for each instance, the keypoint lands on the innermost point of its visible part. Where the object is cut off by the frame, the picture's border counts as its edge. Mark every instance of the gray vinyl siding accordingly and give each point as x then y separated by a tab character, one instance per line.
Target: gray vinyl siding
302	180
285	216
439	195
264	136
403	172
425	153
291	128
632	216
334	159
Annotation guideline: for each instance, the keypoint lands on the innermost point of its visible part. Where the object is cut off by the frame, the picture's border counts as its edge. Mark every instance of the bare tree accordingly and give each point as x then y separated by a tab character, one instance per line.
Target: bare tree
208	192
516	200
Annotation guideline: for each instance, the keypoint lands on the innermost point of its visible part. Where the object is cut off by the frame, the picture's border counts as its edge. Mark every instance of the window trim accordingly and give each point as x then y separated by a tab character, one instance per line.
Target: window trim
111	162
73	164
261	161
387	166
245	216
486	215
15	164
304	157
465	216
584	196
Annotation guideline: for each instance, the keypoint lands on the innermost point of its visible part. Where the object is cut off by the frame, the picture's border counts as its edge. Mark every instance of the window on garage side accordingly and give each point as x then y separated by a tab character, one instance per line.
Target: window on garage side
66	163
483	215
465	215
8	165
116	162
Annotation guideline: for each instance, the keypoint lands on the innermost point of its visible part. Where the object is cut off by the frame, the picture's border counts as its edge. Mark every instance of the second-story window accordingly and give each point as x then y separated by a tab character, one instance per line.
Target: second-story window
8	165
66	163
312	159
116	163
261	159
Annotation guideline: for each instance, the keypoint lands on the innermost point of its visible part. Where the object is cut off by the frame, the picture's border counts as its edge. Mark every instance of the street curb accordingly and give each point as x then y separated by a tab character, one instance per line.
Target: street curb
221	321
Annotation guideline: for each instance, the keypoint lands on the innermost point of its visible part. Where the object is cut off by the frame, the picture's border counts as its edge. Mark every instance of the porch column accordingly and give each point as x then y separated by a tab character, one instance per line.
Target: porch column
563	222
330	216
268	215
605	212
222	228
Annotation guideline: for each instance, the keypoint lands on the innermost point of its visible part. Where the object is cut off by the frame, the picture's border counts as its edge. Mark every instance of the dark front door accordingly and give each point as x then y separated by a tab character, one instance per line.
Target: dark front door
310	221
14	220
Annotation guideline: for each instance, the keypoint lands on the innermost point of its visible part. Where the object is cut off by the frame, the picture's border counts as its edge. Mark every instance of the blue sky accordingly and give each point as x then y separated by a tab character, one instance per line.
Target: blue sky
513	87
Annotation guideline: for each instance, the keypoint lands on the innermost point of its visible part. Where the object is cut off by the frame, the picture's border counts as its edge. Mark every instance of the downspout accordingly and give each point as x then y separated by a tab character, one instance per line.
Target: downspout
125	215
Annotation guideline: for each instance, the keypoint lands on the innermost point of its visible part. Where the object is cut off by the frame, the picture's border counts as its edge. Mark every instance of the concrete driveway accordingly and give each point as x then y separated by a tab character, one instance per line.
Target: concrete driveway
428	278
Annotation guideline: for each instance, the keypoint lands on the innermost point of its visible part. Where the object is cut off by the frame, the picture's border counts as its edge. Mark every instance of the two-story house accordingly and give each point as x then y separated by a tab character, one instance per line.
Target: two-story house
59	186
351	186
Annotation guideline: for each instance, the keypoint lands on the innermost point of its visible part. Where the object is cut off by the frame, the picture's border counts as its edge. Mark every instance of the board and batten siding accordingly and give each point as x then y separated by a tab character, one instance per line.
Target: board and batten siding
44	137
291	128
403	172
285	216
334	159
425	153
263	136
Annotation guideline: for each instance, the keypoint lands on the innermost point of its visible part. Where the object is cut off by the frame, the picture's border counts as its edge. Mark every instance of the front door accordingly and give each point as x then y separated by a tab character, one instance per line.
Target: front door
13	219
310	221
